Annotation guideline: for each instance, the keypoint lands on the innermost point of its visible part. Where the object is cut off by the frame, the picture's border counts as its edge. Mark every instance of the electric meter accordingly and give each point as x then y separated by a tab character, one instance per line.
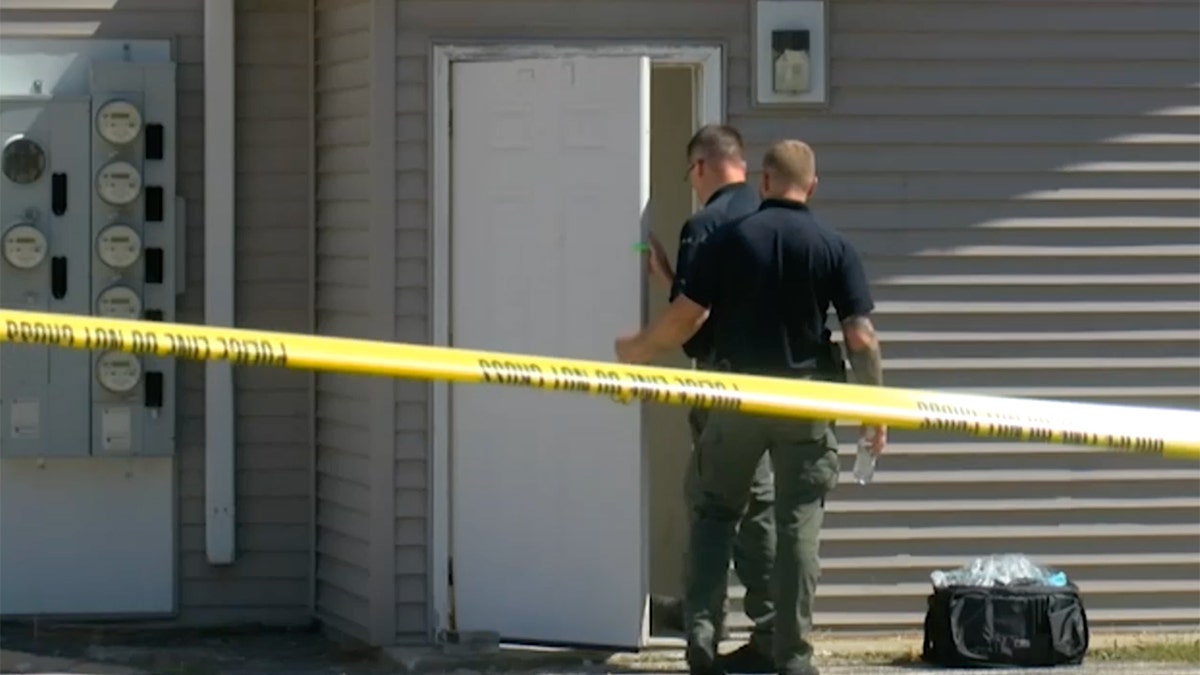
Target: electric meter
118	246
119	183
23	160
119	302
24	246
118	372
118	122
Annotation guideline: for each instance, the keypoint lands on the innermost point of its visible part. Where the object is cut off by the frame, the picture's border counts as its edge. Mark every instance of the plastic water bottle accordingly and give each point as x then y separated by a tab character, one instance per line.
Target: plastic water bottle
864	463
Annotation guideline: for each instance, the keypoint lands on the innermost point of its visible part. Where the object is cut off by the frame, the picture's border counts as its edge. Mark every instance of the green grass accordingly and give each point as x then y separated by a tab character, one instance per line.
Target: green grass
1147	648
1158	649
905	650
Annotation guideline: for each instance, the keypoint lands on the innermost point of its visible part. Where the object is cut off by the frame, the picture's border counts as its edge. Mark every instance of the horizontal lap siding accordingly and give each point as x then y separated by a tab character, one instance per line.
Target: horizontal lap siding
1022	181
1021	178
342	136
270	580
413	302
412	496
272	282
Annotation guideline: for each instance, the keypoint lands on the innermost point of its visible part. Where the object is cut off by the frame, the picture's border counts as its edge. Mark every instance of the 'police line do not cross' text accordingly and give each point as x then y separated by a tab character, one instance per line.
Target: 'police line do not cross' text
237	352
621	387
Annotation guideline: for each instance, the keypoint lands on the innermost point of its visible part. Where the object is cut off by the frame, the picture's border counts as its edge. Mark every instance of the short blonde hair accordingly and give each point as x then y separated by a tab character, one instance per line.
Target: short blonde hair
792	162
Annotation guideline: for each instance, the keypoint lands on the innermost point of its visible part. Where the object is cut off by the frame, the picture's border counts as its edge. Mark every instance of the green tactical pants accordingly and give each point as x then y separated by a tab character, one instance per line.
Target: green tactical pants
754	545
804	455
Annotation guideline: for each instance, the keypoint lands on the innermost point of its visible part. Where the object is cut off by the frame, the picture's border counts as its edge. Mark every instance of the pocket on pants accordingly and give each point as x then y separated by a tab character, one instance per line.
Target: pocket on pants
829	470
822	473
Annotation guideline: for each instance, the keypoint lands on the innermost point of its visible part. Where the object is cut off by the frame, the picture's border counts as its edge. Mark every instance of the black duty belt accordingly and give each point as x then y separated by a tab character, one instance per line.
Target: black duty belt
813	373
725	365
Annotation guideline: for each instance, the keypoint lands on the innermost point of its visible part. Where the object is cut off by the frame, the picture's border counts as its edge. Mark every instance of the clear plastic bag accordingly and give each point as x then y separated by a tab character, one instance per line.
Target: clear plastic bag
998	570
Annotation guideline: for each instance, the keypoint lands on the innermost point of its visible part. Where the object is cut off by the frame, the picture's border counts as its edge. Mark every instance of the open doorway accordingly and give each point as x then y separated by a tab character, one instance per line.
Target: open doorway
665	437
558	515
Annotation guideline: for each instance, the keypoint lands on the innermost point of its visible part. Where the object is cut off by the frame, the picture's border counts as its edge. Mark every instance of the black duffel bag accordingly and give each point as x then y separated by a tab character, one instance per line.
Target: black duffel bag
1030	625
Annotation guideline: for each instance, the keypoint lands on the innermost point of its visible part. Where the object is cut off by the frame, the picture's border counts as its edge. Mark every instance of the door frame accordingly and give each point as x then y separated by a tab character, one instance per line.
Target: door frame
708	58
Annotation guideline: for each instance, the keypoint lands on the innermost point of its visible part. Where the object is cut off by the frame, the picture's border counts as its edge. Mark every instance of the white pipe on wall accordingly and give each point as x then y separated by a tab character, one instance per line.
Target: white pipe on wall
219	497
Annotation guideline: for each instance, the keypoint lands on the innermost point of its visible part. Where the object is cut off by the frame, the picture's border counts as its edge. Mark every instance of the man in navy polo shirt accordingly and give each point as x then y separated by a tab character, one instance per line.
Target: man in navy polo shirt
765	283
717	173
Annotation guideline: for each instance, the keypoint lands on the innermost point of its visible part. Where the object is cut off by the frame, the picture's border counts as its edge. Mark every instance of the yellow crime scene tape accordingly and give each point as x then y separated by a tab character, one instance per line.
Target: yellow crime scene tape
1171	433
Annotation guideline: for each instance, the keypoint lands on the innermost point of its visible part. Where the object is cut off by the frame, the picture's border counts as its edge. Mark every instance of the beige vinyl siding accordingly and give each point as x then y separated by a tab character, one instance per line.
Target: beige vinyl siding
274	489
413	302
1026	202
1021	178
270	580
412	397
412	501
342	144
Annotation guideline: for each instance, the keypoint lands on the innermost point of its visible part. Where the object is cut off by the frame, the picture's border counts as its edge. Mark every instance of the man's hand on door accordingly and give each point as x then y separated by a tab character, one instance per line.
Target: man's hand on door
658	263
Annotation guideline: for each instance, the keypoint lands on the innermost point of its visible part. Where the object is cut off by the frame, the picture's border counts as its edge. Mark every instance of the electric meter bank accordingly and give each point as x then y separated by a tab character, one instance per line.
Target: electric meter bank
89	224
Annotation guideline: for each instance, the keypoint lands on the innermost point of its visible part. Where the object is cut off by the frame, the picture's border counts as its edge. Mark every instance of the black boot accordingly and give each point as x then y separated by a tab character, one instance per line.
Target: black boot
747	659
701	662
666	614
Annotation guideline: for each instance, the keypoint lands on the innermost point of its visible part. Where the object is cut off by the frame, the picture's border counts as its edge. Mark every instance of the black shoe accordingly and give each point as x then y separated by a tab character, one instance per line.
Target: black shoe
700	663
666	613
747	659
806	669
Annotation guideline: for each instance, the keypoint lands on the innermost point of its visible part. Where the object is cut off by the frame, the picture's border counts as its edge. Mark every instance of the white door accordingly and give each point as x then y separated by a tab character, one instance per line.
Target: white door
550	176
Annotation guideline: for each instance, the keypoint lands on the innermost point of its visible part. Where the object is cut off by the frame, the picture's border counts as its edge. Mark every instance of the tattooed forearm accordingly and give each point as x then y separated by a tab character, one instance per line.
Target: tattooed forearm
866	357
868	365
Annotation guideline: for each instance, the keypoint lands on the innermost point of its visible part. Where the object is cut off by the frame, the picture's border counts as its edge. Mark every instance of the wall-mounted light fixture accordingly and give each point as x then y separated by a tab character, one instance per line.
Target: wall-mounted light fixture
791	54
